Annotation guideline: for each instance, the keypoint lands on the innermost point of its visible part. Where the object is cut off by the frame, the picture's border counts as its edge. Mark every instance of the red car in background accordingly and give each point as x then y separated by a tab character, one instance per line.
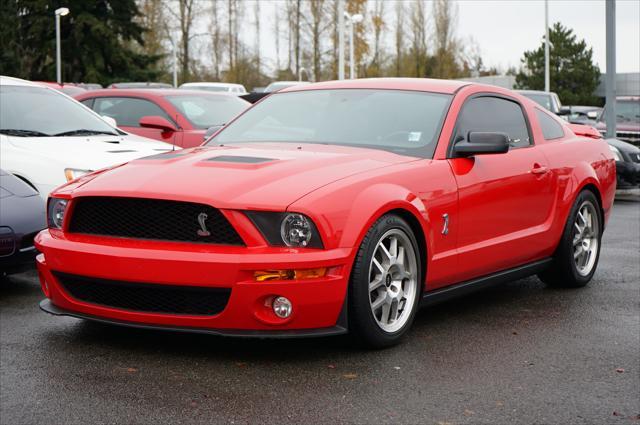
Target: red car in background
330	208
178	117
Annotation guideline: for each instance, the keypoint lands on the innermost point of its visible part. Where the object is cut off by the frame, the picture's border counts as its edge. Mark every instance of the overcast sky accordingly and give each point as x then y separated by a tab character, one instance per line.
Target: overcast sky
504	29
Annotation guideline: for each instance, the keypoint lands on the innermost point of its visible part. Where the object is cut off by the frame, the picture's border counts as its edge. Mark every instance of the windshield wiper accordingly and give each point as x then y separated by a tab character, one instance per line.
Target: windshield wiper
22	133
84	132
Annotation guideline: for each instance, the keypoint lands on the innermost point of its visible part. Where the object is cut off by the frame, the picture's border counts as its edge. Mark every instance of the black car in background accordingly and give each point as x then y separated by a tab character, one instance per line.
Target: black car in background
22	216
627	164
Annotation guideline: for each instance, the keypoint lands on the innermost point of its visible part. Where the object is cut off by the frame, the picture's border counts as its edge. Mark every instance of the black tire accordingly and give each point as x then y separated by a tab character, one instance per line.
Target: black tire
362	324
563	272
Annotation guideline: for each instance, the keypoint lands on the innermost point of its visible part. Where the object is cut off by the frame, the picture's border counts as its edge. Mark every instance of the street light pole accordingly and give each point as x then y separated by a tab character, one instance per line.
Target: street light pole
610	77
63	11
175	65
353	19
547	78
352	73
341	13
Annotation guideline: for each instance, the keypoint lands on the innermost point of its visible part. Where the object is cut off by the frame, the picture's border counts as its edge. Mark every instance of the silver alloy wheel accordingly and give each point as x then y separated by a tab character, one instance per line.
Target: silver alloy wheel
393	276
586	231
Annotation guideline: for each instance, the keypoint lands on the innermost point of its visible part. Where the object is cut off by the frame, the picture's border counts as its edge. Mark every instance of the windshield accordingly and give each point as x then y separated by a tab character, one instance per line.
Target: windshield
208	110
628	111
37	111
406	122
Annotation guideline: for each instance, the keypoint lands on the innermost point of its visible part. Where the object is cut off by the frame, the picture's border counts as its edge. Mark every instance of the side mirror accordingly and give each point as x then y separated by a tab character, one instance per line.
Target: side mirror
110	120
211	131
156	121
479	143
564	110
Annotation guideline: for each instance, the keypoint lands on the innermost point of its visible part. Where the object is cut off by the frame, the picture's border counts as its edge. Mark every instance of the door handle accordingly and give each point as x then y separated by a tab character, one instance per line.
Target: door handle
539	169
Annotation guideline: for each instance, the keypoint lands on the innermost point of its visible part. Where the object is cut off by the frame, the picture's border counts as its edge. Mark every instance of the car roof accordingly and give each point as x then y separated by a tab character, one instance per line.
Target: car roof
11	81
211	84
416	84
150	93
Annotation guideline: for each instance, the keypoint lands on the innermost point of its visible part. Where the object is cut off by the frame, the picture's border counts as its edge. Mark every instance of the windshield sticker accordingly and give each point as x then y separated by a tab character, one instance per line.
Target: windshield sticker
414	136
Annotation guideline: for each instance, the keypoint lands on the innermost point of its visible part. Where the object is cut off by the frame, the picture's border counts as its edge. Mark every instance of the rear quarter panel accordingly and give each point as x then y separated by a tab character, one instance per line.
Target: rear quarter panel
577	162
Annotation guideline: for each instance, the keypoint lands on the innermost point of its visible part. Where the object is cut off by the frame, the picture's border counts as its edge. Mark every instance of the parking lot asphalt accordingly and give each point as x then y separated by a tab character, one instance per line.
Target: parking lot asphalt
520	353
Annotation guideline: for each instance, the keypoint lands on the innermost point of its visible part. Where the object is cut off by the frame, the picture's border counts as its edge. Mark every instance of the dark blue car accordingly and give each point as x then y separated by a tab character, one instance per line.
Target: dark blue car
22	216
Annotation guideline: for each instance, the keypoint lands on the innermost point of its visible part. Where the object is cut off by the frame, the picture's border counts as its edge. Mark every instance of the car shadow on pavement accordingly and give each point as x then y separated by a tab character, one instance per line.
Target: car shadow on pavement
494	306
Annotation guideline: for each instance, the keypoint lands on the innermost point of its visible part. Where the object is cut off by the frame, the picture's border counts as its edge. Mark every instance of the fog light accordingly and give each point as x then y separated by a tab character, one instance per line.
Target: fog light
282	307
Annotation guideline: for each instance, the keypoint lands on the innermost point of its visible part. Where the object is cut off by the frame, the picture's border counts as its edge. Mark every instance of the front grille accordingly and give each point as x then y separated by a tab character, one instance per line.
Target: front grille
7	241
632	137
155	219
146	297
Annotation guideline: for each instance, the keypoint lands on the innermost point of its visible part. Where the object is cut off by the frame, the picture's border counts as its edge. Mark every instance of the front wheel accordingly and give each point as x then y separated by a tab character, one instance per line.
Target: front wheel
576	258
385	283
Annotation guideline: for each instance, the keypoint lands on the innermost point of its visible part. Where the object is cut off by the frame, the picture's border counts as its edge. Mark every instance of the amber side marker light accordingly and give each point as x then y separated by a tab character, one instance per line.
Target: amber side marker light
269	275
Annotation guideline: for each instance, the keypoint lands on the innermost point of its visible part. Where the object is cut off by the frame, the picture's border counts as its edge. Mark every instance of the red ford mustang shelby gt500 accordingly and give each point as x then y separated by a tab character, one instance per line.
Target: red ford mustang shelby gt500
330	208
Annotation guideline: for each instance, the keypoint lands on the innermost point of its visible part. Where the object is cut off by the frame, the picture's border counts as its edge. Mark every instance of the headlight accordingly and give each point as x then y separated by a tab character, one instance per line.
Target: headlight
295	230
616	153
286	229
74	173
55	212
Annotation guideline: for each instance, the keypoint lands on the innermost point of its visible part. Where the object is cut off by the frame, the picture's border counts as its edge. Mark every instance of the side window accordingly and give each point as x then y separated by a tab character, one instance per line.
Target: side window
551	129
88	103
493	114
127	111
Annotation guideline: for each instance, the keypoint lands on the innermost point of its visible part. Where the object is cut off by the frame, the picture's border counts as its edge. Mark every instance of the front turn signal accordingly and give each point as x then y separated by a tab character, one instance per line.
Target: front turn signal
302	274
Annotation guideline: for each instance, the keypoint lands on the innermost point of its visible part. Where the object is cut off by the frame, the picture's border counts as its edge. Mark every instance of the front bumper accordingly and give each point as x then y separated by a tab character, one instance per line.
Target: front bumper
318	304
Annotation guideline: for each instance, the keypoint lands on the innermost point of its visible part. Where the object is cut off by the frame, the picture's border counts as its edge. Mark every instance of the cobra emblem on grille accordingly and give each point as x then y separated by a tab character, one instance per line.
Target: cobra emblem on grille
202	218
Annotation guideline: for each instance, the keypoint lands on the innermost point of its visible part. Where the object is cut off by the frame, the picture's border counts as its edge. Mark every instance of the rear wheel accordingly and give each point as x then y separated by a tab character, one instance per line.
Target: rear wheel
385	283
576	258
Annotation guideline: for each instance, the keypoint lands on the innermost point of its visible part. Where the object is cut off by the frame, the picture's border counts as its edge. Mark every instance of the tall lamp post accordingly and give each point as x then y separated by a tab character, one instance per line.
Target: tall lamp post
353	19
341	39
63	11
547	77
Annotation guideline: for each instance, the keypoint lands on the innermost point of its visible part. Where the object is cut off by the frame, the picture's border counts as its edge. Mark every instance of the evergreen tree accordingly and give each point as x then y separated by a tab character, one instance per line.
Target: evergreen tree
100	41
574	76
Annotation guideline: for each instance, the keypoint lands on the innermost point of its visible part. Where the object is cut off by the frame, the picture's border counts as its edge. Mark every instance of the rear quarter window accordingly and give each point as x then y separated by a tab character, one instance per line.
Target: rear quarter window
551	129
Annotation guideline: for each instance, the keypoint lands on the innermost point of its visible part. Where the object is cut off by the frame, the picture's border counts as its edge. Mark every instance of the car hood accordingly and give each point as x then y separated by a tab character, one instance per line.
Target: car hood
248	176
90	152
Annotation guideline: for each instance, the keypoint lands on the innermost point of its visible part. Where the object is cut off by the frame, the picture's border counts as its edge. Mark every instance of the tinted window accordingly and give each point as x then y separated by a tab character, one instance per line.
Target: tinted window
406	122
207	111
493	114
45	111
550	128
127	111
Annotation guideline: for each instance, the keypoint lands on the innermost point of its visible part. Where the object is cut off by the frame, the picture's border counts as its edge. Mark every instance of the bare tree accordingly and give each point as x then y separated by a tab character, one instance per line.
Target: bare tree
378	25
185	16
447	47
294	12
419	38
399	37
317	23
216	39
257	23
276	30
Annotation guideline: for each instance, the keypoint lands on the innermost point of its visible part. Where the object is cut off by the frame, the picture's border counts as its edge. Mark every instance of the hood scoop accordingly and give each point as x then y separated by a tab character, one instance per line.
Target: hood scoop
240	159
